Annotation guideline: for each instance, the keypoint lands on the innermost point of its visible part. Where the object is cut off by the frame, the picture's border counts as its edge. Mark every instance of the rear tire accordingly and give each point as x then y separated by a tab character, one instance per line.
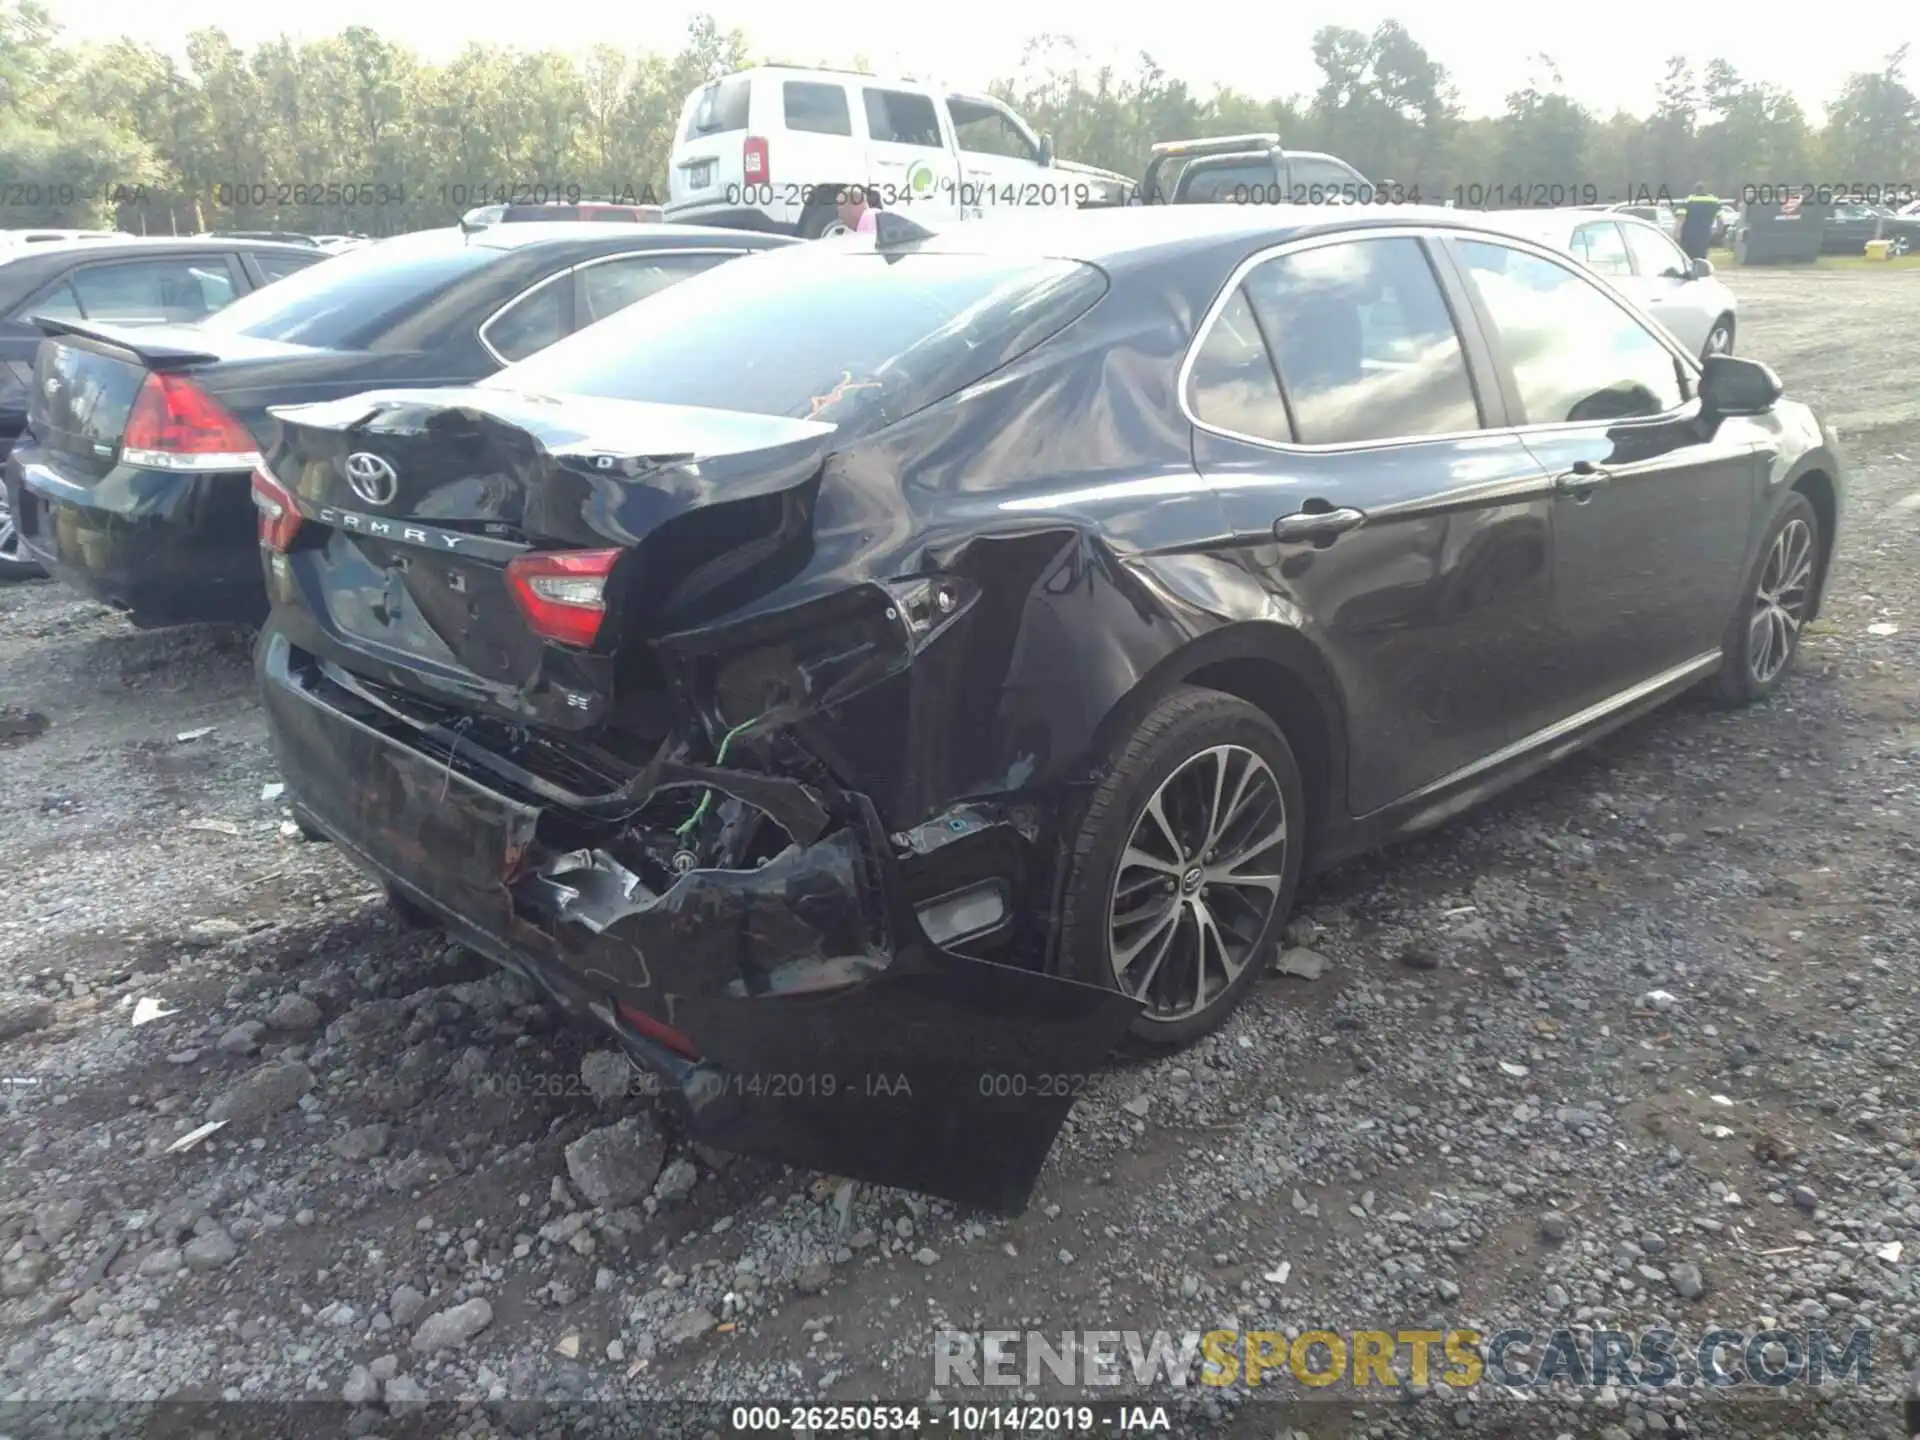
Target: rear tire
1185	864
14	564
1763	637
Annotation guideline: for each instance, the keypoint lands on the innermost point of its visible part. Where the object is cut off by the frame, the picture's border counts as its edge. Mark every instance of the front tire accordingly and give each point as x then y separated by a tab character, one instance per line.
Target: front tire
1764	635
1719	339
1185	864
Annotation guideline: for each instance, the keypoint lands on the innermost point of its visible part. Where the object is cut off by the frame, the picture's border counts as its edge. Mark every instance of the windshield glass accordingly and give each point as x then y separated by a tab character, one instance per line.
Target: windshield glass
848	336
341	302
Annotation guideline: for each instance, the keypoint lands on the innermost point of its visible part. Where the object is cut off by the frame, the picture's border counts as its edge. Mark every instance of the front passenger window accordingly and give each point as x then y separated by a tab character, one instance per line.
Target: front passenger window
1576	355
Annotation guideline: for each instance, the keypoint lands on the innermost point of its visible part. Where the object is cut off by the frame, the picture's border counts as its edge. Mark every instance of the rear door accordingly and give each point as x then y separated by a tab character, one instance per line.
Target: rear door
705	168
1653	510
1353	432
910	154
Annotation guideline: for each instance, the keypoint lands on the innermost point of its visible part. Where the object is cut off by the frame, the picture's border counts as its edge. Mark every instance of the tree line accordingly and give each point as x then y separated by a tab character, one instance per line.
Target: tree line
354	133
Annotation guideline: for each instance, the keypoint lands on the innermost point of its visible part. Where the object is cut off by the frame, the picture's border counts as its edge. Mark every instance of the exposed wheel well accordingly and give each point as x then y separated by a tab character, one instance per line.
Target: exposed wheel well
1818	488
1291	703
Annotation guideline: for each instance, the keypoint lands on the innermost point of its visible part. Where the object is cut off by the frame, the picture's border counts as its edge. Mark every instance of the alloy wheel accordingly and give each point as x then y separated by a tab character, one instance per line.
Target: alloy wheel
1780	602
9	532
1198	882
1899	245
1719	341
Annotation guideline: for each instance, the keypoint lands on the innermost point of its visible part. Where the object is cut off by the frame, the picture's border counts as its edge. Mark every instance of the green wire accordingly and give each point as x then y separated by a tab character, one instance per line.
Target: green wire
719	758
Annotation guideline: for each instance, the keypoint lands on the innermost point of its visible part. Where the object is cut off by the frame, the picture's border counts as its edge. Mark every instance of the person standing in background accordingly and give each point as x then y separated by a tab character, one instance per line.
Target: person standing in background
1698	212
857	212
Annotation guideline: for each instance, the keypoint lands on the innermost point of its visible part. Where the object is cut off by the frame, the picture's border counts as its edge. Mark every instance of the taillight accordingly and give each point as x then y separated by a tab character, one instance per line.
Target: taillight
659	1032
175	425
754	164
279	515
564	592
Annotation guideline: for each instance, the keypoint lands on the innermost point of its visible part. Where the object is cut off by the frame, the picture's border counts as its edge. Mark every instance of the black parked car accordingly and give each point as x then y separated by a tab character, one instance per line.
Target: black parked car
1853	223
118	279
873	680
132	483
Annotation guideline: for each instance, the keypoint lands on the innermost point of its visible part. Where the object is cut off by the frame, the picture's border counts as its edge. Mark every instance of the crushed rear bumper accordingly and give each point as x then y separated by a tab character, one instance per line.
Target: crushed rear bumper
819	1024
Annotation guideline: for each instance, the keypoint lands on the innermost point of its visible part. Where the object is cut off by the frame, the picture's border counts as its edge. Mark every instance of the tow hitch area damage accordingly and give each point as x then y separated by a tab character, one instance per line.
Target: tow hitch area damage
756	939
799	1010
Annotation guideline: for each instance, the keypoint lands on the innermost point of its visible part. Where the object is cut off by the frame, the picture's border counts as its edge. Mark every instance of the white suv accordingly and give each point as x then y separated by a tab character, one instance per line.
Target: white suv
769	148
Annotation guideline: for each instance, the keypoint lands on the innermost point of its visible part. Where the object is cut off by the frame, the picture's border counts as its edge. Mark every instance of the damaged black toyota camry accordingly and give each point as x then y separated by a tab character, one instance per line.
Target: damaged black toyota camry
877	678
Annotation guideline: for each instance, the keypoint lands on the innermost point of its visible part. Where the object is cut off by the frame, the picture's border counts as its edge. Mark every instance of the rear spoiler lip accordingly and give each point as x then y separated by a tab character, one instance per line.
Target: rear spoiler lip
522	410
153	357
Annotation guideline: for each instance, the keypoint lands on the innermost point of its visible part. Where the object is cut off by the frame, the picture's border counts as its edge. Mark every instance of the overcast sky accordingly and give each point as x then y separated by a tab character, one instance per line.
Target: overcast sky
1261	49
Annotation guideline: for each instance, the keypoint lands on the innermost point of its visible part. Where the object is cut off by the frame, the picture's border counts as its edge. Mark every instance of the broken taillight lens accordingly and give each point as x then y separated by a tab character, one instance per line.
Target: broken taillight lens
563	592
279	512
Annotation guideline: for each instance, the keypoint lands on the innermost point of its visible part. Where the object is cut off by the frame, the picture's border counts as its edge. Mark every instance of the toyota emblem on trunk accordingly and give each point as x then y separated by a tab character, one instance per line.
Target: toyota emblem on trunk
372	478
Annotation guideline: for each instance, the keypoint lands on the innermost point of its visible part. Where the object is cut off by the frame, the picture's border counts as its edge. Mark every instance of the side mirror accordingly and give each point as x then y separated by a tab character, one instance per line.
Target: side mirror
1702	268
1046	149
1734	385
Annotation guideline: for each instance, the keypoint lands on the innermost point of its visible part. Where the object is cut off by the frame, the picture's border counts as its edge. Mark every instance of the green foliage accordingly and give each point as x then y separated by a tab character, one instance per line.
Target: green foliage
353	132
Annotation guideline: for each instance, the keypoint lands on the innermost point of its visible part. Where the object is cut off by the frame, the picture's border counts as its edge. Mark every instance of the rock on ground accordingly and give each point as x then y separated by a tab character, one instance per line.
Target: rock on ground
263	1093
452	1328
616	1164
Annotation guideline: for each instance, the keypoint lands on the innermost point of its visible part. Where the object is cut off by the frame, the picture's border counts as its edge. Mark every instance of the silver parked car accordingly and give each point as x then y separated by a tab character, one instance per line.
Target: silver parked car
1644	264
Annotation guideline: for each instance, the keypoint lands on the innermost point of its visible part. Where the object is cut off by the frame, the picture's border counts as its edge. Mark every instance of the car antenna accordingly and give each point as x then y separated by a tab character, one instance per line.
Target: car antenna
891	229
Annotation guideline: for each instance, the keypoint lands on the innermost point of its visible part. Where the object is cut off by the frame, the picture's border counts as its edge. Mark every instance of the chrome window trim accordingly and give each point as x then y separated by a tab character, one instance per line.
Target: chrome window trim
1184	377
480	333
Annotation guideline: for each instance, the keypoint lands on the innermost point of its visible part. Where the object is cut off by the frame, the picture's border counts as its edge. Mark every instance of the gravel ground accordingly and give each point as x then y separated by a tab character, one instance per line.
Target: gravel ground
1634	1045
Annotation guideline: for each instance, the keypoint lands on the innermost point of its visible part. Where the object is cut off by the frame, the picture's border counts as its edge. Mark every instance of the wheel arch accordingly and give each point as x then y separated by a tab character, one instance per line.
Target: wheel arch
1280	672
1818	488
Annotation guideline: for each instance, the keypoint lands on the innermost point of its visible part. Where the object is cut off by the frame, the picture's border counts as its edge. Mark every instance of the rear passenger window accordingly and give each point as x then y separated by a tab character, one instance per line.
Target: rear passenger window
1576	355
530	324
1232	385
55	305
278	267
901	118
1364	343
1601	249
817	109
150	292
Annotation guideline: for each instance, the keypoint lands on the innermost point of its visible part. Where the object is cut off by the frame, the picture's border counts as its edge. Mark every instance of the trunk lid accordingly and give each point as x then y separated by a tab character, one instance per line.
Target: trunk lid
414	503
86	378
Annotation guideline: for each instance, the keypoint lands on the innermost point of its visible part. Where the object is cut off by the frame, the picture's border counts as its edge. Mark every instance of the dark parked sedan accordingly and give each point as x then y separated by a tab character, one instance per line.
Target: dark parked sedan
1853	223
874	680
121	280
132	483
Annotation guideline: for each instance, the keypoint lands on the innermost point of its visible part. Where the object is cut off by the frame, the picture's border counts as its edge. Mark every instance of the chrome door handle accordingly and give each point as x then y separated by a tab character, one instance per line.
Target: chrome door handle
1583	476
1321	525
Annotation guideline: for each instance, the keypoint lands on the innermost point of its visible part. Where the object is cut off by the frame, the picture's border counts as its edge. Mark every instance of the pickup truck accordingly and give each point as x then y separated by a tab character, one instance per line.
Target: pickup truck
769	149
1251	170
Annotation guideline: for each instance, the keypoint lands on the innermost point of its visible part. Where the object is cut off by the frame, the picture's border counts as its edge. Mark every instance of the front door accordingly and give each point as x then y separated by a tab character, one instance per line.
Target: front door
910	157
1361	458
1654	507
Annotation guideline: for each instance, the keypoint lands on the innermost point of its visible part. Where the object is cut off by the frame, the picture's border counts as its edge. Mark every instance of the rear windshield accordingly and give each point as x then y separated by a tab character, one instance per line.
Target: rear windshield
722	107
846	336
343	302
